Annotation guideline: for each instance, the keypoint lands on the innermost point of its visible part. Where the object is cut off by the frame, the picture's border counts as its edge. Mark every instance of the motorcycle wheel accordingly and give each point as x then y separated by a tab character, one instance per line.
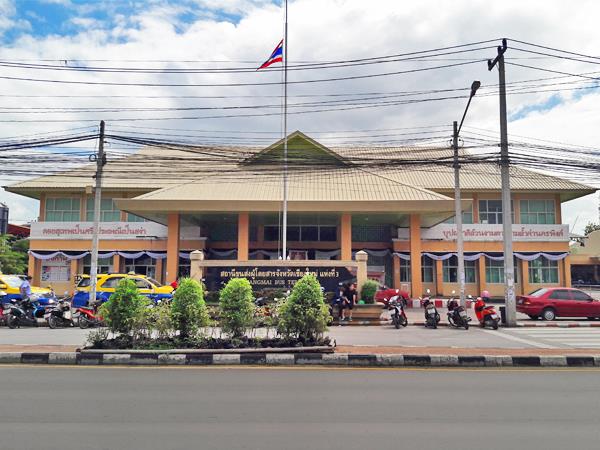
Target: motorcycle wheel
403	321
12	322
53	322
495	325
466	325
83	322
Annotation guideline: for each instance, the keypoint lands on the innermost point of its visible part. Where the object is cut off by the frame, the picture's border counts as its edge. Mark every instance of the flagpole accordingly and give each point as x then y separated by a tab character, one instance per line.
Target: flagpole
285	139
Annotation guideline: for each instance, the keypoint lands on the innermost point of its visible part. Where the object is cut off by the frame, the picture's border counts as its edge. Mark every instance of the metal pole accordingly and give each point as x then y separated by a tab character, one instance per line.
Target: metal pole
285	139
100	161
509	267
458	214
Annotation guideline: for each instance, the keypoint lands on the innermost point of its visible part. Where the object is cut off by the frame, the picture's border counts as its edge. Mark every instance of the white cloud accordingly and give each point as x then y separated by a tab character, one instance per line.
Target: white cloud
319	30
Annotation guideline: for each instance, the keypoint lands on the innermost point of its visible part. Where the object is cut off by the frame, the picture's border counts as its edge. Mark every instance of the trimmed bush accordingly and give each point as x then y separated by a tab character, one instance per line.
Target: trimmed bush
369	289
126	310
304	315
188	309
237	307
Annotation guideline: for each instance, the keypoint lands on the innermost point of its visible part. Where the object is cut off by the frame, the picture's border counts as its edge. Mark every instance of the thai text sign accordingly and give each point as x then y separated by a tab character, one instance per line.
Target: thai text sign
270	277
108	230
486	232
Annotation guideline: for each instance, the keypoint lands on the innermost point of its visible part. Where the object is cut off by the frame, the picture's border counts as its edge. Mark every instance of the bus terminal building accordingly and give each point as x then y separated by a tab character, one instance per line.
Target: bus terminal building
153	215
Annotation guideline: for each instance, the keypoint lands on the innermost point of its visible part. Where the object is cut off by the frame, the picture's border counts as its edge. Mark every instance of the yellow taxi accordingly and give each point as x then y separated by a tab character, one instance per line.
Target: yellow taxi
11	284
107	283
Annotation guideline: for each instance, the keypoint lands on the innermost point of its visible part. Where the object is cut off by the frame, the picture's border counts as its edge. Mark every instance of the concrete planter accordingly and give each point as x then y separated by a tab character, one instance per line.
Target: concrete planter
367	312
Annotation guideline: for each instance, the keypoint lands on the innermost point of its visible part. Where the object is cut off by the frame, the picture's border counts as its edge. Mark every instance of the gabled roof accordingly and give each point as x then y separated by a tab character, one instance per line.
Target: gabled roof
302	150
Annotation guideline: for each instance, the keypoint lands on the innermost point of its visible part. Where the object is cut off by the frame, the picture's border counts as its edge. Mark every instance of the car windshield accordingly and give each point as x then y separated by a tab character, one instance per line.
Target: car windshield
153	281
12	281
538	292
84	282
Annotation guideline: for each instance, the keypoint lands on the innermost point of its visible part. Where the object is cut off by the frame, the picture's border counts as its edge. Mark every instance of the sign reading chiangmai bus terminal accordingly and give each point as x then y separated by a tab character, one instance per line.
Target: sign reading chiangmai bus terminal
270	277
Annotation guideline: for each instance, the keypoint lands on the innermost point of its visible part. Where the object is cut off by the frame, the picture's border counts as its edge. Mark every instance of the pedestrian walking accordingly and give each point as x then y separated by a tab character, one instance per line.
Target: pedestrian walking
351	298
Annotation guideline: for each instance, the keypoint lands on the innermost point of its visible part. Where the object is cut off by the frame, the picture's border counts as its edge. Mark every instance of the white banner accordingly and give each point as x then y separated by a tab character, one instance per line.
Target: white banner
486	232
108	230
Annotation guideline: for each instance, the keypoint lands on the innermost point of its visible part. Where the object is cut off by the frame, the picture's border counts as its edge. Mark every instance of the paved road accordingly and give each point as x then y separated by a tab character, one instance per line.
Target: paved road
119	408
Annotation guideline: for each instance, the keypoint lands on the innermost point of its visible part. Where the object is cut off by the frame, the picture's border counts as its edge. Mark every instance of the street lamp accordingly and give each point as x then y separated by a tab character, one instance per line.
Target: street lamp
457	201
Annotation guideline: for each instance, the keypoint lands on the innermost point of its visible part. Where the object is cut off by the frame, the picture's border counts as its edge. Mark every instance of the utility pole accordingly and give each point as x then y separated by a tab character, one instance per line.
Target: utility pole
509	267
460	252
285	138
100	160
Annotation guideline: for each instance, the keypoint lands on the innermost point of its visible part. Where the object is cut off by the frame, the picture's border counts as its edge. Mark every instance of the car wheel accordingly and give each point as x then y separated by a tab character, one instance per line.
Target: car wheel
534	317
549	314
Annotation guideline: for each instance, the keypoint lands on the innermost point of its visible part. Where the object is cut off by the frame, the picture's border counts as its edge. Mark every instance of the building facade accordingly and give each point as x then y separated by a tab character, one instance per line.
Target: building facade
400	214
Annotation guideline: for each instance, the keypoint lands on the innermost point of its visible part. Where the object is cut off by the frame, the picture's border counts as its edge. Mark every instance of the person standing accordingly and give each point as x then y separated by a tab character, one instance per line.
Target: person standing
25	288
351	299
339	301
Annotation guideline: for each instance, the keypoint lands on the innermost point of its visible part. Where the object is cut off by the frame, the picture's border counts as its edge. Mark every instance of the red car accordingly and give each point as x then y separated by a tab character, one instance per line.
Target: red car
549	303
384	295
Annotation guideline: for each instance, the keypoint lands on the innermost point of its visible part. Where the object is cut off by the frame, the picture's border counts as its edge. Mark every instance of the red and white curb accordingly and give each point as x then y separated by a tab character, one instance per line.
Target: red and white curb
533	324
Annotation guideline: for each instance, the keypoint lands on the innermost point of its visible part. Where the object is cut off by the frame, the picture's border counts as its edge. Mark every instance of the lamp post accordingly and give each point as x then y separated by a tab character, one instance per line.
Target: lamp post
457	200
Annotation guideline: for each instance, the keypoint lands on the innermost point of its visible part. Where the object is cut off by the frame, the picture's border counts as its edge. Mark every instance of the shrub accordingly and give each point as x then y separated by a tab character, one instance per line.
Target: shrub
237	307
369	289
304	314
188	309
126	310
161	320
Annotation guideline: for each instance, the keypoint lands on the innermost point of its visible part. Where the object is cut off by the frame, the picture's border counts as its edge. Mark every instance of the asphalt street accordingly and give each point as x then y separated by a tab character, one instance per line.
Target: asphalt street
246	408
411	336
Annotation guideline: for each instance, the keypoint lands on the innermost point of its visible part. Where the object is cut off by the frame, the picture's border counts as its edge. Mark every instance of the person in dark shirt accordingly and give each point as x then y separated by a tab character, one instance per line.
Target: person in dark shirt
339	300
351	298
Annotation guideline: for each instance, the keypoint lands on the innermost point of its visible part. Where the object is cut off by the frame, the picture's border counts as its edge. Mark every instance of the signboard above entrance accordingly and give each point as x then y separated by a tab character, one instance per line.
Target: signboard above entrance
486	232
271	277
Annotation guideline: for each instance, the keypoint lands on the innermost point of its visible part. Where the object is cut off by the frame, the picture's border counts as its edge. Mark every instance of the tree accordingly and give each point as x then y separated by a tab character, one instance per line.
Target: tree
237	307
13	254
304	314
188	309
590	227
126	310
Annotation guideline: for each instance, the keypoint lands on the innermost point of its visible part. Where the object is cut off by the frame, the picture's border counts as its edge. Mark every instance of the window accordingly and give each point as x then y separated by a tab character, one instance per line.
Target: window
111	283
105	265
467	217
537	211
62	209
141	266
450	270
404	271
134	218
142	284
303	233
108	210
560	294
581	296
490	211
427	269
494	271
542	270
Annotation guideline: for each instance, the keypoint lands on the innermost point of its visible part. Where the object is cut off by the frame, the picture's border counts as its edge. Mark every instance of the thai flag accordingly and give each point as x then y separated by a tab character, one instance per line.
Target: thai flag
276	56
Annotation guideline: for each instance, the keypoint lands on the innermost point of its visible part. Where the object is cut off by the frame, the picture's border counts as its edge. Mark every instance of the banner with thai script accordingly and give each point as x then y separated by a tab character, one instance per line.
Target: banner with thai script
108	230
486	232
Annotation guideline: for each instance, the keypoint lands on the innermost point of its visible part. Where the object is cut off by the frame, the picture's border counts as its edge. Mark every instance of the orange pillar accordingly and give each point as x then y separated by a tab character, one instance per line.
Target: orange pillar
416	283
567	269
172	247
74	272
475	208
31	266
396	261
42	216
482	279
557	209
116	264
159	271
439	277
525	277
346	237
243	236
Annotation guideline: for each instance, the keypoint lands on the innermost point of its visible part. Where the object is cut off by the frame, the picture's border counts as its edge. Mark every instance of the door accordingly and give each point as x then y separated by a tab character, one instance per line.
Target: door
107	288
560	299
583	305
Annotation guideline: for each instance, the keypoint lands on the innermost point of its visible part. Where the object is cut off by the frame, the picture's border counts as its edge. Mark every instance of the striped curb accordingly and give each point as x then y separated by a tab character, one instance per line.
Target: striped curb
299	359
558	324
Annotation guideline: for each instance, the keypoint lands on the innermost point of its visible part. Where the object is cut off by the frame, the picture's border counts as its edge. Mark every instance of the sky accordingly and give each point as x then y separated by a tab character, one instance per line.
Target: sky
234	33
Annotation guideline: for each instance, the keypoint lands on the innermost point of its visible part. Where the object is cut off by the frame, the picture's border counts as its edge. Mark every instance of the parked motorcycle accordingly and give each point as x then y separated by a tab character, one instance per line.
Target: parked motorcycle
457	315
396	305
89	317
61	315
3	306
23	313
486	315
432	316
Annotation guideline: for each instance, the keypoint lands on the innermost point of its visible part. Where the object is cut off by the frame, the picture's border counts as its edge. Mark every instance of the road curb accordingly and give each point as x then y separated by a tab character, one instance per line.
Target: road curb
558	324
298	359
